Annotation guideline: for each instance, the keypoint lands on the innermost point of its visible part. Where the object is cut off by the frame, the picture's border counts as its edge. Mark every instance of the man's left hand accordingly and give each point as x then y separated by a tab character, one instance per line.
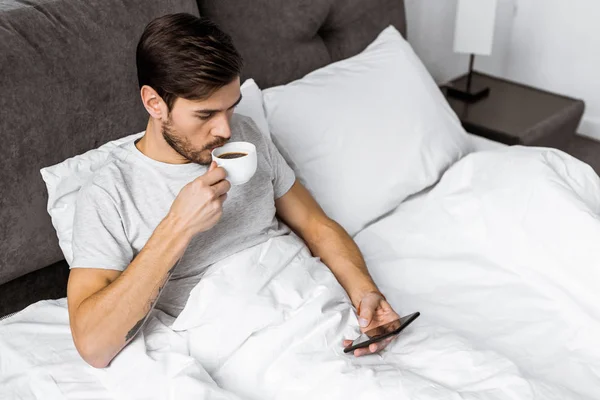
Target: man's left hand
373	311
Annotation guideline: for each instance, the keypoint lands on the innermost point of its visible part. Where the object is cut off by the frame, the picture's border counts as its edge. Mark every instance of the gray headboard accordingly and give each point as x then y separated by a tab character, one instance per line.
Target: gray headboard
68	84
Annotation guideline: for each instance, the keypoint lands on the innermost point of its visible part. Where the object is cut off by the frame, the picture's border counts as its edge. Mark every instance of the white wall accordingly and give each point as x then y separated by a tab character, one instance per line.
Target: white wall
431	34
430	29
555	45
549	44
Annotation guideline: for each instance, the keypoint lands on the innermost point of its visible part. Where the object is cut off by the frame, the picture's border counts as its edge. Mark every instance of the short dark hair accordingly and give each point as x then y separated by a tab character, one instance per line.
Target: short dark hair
181	55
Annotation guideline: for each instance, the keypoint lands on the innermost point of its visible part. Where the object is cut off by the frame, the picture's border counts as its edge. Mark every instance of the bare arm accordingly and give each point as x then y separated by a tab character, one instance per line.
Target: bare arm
327	240
104	322
108	308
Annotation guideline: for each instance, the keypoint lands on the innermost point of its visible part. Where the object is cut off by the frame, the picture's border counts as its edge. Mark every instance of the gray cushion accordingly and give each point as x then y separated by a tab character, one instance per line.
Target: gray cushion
68	83
283	40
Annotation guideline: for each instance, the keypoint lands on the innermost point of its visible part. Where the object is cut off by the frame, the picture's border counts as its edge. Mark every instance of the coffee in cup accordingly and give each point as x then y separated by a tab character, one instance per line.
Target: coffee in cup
238	159
232	154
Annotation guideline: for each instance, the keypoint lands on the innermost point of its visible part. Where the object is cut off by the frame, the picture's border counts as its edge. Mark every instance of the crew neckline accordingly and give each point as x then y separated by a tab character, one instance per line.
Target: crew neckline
175	169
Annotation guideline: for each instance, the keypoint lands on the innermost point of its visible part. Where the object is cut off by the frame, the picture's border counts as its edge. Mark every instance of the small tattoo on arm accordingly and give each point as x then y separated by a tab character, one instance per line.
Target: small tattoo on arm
140	323
160	289
135	329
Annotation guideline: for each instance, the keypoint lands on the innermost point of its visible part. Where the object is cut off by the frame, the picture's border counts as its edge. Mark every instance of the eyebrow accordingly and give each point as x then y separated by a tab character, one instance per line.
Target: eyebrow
211	111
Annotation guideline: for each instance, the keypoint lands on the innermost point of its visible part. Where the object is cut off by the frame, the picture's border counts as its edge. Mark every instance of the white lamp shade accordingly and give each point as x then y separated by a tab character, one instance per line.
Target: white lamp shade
474	30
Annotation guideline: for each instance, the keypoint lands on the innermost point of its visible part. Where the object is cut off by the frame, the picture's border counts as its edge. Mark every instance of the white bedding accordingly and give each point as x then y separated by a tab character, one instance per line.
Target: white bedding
501	258
504	253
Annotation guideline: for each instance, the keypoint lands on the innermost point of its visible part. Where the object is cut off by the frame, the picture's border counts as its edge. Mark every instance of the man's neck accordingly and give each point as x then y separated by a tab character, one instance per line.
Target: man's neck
153	145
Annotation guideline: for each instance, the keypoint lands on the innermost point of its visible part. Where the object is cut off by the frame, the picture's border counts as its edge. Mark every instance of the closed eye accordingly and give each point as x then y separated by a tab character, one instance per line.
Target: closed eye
205	117
208	113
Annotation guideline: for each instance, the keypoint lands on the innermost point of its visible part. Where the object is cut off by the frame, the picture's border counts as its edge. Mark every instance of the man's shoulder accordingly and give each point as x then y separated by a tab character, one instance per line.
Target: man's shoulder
108	178
239	119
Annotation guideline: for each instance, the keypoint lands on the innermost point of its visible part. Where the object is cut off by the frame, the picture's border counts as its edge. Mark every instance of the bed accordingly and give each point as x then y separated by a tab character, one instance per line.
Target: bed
498	252
31	255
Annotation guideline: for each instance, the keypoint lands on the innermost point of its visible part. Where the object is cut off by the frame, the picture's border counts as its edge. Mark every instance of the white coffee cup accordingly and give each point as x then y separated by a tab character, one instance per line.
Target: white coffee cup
239	170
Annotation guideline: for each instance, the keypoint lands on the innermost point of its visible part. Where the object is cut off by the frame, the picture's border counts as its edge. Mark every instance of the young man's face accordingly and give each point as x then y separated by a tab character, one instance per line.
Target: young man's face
194	128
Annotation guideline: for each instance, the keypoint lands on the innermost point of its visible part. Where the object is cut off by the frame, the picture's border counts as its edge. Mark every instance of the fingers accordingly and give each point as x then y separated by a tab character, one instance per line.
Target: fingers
221	187
367	309
361	352
373	347
383	344
214	174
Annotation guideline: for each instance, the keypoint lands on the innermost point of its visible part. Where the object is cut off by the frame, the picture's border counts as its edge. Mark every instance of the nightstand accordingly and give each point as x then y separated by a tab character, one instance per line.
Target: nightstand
517	114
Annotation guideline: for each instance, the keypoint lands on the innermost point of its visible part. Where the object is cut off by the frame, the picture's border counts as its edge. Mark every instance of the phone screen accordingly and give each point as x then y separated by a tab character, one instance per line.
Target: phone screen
381	332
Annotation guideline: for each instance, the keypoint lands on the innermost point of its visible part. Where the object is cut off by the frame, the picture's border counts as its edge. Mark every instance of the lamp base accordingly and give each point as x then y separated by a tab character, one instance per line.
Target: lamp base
468	89
469	97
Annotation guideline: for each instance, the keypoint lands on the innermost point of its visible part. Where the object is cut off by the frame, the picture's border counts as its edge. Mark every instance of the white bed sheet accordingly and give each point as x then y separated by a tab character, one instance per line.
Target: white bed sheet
38	359
504	253
501	258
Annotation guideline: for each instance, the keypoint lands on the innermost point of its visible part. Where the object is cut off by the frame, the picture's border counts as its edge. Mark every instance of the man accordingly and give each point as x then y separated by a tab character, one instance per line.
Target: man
161	211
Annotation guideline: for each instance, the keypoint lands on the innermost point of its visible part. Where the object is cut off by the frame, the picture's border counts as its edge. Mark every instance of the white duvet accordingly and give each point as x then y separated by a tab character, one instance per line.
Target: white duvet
501	258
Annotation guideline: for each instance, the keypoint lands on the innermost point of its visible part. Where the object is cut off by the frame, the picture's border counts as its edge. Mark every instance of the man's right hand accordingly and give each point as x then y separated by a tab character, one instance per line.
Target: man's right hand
199	205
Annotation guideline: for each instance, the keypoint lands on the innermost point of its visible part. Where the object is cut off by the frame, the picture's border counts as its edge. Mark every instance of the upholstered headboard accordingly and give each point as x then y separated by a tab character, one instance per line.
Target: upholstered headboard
283	40
68	84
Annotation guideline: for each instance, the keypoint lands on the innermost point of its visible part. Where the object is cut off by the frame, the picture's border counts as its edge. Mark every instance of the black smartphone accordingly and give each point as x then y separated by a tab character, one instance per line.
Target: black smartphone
381	332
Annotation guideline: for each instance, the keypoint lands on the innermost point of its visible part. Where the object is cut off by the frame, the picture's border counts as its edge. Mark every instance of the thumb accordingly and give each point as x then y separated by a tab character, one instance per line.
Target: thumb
212	166
367	309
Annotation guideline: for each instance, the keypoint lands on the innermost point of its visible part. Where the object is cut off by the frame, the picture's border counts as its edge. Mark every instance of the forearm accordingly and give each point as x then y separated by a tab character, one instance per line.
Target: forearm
106	321
329	241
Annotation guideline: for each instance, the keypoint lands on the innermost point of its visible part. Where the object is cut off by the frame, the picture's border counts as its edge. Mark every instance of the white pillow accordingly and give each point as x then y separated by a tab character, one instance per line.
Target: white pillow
64	180
365	133
252	106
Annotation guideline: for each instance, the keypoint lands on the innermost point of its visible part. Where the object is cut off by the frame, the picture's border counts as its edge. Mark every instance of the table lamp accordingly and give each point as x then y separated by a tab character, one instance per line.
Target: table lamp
473	34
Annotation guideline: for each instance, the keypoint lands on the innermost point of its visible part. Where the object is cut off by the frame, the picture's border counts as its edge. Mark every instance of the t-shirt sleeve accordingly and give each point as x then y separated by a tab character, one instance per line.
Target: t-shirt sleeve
284	176
99	238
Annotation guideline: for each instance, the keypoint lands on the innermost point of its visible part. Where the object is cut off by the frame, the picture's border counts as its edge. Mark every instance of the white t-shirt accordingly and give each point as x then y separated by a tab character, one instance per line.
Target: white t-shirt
119	208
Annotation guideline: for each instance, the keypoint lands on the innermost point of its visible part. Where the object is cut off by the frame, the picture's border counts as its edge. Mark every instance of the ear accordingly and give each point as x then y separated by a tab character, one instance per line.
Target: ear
153	103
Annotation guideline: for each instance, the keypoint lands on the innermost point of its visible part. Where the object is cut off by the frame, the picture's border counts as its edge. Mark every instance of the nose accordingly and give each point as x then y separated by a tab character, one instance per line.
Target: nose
221	127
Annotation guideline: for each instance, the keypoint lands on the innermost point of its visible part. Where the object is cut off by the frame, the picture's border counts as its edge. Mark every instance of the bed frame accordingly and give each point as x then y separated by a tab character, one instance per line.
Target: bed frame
68	84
